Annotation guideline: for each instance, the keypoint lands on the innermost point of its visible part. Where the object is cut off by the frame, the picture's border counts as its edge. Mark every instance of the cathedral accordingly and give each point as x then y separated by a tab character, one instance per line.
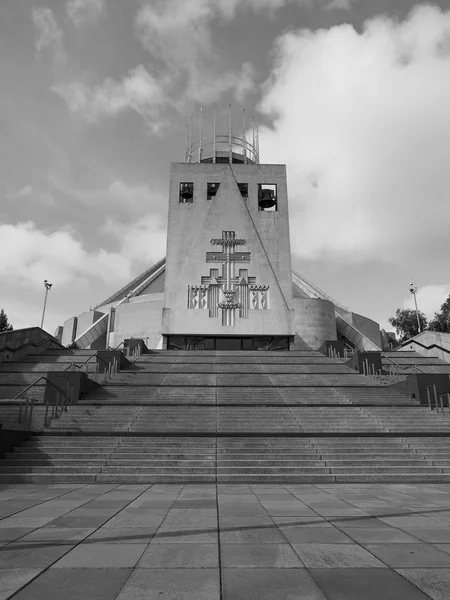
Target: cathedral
226	282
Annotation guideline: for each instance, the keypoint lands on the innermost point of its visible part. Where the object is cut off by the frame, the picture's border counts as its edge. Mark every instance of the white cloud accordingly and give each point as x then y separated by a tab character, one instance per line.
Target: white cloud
118	195
177	34
84	12
362	122
138	91
143	241
29	255
340	5
48	34
29	193
429	299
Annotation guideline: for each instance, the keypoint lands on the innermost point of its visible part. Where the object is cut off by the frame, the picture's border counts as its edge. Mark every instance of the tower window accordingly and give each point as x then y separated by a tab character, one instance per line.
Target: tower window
243	188
267	197
211	190
186	193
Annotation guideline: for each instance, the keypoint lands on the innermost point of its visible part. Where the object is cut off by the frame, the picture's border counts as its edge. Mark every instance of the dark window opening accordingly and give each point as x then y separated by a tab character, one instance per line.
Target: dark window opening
243	188
267	197
186	192
227	343
211	190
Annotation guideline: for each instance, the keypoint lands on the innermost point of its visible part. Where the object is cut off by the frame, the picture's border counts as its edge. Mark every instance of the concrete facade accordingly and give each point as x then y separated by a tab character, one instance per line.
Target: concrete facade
315	320
191	256
227	272
430	343
141	317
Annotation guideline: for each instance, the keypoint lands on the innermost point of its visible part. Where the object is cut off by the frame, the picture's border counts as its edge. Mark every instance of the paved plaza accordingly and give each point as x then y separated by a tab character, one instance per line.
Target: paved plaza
230	542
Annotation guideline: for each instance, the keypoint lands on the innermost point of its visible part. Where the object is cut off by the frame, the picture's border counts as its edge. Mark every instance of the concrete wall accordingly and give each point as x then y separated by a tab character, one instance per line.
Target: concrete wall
430	343
191	228
19	337
69	331
139	319
314	321
86	319
368	327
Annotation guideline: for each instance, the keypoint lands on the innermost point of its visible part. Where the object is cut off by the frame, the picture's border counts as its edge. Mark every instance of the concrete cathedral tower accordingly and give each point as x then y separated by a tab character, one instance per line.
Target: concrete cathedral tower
226	282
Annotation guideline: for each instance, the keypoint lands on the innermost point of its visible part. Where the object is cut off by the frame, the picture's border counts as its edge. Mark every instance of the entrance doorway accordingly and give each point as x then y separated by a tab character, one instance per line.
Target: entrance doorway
227	343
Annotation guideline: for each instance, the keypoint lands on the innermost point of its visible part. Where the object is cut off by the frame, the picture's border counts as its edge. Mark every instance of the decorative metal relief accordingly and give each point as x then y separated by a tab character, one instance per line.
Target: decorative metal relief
225	290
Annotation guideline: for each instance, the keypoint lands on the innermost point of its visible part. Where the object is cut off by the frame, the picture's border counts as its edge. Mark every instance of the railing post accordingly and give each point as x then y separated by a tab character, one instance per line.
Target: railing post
57	405
67	389
19	419
31	413
46	415
435	398
96	371
429	397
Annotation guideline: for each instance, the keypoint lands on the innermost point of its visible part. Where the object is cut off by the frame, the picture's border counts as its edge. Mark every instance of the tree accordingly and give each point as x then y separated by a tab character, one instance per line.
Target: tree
405	323
4	324
441	320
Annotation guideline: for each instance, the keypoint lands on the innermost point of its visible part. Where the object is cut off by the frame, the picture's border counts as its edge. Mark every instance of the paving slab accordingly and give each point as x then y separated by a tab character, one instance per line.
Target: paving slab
11	580
77	522
260	556
55	535
388	535
31	556
94	556
410	555
122	535
270	584
259	534
335	556
172	584
365	584
434	582
432	535
174	556
318	535
9	534
74	584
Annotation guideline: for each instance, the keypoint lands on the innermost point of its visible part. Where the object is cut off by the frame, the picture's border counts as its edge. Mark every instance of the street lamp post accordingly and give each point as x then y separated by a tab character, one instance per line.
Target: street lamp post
47	288
413	290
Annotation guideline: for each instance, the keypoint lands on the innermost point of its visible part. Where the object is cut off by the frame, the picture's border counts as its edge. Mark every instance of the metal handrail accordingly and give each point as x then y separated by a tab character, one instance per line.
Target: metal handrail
405	367
32	403
35	383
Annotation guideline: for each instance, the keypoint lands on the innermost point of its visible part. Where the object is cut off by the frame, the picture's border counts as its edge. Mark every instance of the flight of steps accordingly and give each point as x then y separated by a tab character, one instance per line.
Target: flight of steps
233	417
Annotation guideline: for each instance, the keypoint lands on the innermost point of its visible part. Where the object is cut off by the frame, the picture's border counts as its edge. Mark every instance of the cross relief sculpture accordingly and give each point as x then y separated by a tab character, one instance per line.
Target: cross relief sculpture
226	290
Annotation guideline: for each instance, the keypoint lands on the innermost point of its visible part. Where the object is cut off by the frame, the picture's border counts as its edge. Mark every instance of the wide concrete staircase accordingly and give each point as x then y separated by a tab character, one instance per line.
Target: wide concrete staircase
236	416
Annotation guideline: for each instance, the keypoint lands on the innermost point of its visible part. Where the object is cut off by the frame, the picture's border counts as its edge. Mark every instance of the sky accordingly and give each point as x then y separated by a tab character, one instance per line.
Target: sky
95	95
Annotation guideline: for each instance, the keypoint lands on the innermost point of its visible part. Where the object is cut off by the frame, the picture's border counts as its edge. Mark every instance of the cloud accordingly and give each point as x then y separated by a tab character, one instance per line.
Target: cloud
361	119
138	91
22	193
85	12
429	299
340	5
28	192
178	37
118	195
143	241
29	255
48	34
